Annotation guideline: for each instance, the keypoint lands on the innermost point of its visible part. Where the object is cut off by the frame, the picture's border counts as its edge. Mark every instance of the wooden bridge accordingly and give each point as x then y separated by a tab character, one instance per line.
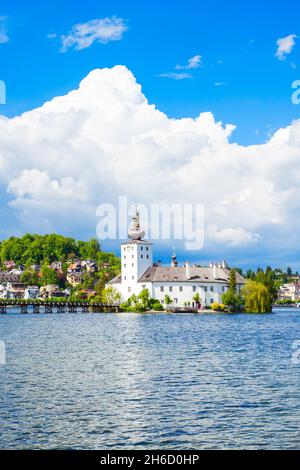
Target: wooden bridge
55	307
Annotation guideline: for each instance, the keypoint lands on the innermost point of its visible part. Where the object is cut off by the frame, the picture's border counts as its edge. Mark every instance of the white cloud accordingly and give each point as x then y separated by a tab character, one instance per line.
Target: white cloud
192	63
220	84
36	184
236	236
103	30
3	30
176	75
285	46
60	161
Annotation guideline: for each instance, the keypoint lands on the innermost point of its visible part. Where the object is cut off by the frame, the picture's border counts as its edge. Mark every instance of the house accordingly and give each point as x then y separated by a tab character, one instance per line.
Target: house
9	265
35	267
9	277
31	292
75	267
75	278
88	293
12	290
17	271
6	293
180	283
51	290
90	266
289	291
57	266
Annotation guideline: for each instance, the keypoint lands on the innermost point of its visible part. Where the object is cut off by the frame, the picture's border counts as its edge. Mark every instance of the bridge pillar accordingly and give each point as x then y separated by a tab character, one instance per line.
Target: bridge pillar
24	309
48	309
36	308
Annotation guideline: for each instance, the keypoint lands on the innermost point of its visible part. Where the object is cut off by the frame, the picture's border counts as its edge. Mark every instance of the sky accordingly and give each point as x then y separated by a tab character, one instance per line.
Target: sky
171	71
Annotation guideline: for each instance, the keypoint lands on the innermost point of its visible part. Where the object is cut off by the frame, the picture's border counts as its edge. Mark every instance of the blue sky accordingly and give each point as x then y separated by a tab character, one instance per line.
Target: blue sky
233	61
237	42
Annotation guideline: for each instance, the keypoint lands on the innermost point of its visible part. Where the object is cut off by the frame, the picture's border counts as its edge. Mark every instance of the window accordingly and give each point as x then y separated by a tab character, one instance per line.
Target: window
125	257
144	287
162	288
132	265
142	248
205	288
194	288
129	289
170	289
142	256
147	248
132	256
180	288
176	301
124	278
223	289
211	288
124	265
211	301
147	256
133	278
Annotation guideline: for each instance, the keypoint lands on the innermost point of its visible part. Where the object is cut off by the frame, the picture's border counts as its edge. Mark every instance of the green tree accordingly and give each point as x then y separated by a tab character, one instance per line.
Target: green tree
168	300
110	296
30	278
268	279
257	298
87	281
144	297
49	276
250	274
289	271
232	281
197	298
231	298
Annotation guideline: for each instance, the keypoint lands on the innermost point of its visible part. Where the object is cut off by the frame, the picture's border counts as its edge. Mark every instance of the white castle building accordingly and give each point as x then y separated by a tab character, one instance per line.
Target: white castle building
180	283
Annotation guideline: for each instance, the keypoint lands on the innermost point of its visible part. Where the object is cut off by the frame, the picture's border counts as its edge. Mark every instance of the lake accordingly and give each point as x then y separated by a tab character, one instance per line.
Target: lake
141	381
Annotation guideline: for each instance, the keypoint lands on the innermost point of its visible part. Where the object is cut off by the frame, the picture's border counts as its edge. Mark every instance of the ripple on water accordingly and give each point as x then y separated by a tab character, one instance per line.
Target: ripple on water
133	381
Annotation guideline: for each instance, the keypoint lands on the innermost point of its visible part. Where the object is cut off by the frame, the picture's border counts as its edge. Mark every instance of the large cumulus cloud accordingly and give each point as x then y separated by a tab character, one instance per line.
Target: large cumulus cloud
59	161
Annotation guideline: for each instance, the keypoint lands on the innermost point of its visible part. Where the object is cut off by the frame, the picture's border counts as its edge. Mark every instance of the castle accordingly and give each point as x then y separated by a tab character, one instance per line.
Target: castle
180	283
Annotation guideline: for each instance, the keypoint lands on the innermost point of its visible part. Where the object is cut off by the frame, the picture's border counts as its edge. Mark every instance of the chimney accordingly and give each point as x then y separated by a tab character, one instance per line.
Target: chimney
215	275
188	270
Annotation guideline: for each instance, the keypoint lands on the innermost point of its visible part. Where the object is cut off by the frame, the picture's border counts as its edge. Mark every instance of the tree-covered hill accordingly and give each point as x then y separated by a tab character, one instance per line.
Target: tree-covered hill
40	249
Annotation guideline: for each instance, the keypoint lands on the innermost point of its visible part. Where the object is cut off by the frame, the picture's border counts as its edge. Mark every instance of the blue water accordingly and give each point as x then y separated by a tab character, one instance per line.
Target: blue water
104	381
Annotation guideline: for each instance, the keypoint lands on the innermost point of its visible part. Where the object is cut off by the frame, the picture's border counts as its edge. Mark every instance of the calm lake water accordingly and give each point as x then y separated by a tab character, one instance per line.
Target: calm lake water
129	381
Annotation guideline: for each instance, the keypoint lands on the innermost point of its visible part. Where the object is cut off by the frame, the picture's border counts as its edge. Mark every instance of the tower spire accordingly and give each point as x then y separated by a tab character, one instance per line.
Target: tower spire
174	262
135	232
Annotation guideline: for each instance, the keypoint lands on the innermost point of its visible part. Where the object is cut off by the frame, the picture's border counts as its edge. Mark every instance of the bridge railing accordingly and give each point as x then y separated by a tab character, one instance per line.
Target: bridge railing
49	305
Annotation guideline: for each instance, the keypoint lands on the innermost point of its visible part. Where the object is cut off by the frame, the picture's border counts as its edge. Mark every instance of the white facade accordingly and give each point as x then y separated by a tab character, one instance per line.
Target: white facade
183	293
31	292
289	292
136	258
